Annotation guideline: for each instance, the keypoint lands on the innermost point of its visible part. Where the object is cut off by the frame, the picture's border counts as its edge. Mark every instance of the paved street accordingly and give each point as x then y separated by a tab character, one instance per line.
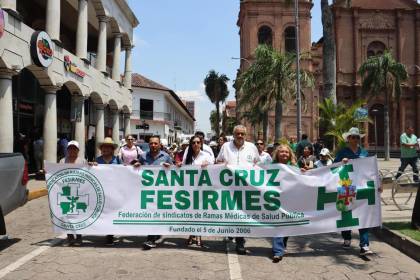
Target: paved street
28	255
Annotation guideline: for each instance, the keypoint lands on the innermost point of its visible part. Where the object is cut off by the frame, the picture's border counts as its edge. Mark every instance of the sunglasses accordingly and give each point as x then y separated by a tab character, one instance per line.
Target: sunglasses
354	137
196	142
130	139
260	144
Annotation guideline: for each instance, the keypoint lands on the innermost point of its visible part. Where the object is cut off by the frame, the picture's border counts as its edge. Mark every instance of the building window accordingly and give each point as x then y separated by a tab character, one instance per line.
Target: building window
290	39
375	48
265	36
146	109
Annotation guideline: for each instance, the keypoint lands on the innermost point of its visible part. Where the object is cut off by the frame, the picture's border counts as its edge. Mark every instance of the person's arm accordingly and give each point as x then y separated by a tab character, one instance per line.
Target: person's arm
221	158
404	141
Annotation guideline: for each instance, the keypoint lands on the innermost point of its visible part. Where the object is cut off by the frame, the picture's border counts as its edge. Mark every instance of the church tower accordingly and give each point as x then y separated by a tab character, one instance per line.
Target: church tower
272	22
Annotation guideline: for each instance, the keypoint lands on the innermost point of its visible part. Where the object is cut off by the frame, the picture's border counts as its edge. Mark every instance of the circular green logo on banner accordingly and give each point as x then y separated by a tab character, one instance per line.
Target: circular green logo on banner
76	198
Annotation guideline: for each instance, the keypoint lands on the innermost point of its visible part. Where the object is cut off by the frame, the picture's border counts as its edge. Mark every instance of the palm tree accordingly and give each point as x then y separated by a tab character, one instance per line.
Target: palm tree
338	118
382	74
328	52
217	91
270	81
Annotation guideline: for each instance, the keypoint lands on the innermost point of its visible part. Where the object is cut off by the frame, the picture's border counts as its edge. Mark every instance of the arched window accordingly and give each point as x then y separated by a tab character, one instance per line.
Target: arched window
265	35
375	48
290	39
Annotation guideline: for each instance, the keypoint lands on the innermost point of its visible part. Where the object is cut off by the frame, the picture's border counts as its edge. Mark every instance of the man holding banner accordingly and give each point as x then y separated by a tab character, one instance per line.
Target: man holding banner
155	156
242	153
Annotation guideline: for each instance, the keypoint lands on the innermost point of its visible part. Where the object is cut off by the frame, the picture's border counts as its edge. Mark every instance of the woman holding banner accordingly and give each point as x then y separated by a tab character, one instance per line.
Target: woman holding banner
72	157
107	156
284	155
196	156
354	151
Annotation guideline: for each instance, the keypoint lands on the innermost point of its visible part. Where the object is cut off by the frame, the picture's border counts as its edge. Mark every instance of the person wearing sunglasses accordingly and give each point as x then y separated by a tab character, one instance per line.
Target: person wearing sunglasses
354	151
265	157
130	153
196	156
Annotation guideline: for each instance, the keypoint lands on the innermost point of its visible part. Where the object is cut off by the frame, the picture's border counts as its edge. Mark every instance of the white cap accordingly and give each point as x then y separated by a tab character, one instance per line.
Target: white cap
73	143
324	152
185	142
213	144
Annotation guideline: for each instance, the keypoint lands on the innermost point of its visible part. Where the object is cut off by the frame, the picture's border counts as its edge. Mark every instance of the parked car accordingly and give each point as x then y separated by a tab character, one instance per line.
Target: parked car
14	178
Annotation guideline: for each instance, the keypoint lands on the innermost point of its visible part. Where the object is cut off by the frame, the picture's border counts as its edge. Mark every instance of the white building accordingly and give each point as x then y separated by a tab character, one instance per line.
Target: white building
158	109
67	79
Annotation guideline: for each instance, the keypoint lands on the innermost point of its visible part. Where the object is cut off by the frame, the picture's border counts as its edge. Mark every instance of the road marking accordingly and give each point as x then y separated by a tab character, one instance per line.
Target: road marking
233	261
29	256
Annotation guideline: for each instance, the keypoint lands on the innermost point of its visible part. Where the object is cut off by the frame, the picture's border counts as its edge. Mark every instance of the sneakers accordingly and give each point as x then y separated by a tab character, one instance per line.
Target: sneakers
240	249
365	251
346	244
149	245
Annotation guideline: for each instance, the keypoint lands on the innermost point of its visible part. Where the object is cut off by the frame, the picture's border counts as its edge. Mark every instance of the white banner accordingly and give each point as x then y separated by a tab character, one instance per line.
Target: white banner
219	200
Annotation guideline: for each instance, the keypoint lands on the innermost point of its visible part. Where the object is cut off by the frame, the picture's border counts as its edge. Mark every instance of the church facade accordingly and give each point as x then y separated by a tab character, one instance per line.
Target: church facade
366	28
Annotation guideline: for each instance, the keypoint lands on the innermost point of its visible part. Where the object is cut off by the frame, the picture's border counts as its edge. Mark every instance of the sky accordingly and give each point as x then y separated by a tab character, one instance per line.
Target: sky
178	42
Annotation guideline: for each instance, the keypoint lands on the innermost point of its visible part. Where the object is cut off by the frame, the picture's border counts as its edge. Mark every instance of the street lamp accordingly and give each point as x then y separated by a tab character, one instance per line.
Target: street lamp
375	114
298	95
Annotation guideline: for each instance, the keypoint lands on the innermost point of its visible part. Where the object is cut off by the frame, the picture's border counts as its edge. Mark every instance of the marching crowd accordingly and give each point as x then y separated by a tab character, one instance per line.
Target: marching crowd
303	155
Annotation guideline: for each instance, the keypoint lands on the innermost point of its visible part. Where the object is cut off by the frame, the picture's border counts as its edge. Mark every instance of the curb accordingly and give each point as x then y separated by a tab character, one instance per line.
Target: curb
399	241
37	193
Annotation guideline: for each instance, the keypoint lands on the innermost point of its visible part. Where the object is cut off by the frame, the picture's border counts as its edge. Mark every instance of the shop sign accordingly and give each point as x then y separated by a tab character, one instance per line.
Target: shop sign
1	23
42	49
72	67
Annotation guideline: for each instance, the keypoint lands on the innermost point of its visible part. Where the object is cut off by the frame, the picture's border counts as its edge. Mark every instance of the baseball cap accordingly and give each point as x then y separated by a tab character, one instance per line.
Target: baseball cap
324	152
73	143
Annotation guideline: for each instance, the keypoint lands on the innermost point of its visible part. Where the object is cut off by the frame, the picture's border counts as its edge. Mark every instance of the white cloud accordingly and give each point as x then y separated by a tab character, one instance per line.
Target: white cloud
193	95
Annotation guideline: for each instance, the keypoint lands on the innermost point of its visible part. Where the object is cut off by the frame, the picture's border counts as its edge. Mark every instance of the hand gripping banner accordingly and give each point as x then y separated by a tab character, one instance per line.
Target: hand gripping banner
219	200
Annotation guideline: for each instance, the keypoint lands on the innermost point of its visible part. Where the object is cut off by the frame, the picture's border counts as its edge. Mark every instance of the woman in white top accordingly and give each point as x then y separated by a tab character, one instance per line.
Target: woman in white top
196	156
73	158
130	153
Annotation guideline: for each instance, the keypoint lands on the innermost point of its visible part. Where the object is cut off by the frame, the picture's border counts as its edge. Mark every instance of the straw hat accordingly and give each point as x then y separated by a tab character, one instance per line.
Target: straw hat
108	141
354	131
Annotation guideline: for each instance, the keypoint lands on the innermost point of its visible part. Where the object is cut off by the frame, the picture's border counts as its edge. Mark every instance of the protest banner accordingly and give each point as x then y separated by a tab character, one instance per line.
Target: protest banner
219	200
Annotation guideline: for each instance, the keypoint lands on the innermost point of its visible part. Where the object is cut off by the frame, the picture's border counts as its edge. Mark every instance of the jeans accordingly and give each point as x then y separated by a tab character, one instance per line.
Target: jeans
279	245
409	161
364	236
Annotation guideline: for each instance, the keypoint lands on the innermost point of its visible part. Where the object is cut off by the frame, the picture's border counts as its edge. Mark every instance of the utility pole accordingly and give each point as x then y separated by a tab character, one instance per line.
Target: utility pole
298	94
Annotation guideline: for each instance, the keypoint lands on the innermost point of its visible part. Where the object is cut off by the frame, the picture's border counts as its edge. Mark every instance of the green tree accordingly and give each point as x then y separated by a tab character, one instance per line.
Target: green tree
271	81
337	119
383	75
217	91
213	120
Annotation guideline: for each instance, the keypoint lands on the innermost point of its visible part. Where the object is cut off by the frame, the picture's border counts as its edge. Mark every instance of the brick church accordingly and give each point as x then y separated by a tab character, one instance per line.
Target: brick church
367	27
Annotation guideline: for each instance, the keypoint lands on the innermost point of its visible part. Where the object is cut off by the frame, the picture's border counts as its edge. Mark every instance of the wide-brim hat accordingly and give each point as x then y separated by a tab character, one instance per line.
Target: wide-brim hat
354	131
108	141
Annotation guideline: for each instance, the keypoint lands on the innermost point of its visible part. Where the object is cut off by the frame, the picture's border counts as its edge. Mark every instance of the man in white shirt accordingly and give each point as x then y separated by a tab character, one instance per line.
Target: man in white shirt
239	152
265	157
206	148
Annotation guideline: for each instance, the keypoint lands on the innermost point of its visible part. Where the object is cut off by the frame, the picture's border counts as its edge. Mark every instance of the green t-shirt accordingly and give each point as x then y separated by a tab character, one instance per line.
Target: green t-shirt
408	152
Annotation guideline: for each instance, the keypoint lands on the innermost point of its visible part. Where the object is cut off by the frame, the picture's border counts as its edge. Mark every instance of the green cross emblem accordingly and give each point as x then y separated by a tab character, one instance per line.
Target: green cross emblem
344	196
71	201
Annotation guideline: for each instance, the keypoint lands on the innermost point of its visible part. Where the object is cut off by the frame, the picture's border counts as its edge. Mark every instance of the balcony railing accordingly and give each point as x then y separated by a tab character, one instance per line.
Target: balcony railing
150	115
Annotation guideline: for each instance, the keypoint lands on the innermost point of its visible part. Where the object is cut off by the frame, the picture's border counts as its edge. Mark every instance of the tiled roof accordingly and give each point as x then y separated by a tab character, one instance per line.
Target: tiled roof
138	80
231	103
